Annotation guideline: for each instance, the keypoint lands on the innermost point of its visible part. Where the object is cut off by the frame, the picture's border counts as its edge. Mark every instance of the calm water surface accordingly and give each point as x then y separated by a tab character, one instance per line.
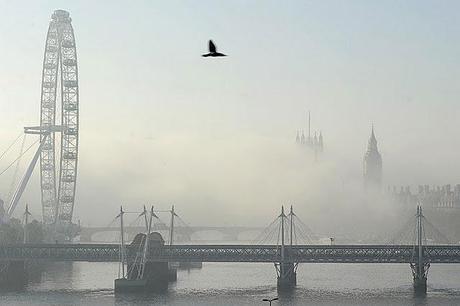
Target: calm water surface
246	284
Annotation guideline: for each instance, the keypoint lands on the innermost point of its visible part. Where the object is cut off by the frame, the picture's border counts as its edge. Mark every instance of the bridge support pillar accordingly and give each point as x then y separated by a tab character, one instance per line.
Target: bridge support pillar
420	277
13	274
157	275
420	285
155	279
172	274
287	276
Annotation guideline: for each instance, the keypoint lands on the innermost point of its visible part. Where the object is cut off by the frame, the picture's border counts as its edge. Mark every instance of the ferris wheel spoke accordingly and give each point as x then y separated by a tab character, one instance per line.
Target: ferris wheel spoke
59	79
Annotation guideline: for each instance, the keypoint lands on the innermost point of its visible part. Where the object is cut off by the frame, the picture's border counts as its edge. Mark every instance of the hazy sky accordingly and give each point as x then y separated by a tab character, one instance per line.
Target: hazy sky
160	124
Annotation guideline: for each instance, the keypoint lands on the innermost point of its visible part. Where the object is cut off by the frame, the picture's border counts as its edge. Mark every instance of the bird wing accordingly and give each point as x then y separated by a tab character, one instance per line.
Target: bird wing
212	47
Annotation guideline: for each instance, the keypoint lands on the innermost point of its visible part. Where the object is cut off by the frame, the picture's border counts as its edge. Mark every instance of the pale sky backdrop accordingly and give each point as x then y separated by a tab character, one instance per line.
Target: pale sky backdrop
215	136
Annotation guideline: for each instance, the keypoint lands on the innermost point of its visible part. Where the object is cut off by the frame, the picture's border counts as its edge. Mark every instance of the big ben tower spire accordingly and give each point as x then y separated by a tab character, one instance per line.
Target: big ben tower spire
372	164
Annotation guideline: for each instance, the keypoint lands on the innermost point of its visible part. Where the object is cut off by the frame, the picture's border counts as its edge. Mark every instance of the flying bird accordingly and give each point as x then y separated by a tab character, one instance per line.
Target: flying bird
213	51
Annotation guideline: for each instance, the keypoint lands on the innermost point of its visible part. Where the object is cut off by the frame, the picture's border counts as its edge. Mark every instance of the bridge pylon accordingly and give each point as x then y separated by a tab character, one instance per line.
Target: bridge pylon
420	264
286	269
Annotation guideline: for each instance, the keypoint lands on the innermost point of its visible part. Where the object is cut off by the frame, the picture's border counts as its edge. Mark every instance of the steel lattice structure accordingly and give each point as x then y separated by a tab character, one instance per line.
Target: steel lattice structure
236	253
59	81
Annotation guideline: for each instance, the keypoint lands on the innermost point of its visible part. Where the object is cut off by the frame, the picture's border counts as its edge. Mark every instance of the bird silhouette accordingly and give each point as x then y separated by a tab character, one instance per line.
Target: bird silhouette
213	51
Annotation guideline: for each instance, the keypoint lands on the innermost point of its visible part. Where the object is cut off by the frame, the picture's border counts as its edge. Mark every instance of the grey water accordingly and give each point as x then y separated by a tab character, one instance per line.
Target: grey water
245	284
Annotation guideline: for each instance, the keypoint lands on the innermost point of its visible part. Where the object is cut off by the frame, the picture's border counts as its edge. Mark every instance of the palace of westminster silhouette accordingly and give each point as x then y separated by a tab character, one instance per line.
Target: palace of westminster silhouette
446	197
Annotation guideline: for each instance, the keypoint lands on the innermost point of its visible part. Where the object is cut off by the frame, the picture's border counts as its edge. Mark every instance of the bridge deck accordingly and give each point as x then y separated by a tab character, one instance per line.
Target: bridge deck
235	253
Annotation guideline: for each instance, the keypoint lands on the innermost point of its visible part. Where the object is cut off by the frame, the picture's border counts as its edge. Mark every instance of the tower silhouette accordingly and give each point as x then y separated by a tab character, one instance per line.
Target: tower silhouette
314	143
372	171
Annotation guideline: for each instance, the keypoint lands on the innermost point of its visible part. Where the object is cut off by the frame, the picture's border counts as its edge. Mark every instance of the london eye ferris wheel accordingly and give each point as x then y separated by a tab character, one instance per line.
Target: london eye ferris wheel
58	130
59	101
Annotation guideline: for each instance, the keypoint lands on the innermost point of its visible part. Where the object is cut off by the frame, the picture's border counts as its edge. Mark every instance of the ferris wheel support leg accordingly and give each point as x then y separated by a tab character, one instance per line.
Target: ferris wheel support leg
22	186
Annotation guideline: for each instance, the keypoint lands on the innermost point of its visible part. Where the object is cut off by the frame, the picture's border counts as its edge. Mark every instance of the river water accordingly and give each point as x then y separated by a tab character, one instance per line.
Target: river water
245	284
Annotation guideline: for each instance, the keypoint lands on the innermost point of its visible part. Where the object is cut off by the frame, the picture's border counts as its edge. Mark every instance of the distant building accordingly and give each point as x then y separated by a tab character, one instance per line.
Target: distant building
436	197
314	143
372	170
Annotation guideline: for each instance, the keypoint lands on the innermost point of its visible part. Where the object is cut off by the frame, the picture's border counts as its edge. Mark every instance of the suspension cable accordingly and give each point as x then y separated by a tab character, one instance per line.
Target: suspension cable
16	171
443	238
14	161
305	230
405	232
279	233
266	231
9	147
135	222
270	234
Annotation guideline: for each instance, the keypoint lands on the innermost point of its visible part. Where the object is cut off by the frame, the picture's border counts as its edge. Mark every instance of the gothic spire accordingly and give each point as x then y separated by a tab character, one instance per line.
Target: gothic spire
372	162
372	145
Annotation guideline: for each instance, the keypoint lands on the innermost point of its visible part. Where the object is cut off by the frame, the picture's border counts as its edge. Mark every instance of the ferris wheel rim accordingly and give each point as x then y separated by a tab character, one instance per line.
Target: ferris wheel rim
60	67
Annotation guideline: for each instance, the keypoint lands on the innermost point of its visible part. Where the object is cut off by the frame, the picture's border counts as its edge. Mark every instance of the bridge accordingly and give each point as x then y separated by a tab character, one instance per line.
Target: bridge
153	255
236	253
229	233
285	256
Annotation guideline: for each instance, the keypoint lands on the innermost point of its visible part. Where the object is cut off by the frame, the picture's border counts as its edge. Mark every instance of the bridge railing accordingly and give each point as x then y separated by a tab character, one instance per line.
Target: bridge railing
235	253
442	253
298	254
214	253
61	252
